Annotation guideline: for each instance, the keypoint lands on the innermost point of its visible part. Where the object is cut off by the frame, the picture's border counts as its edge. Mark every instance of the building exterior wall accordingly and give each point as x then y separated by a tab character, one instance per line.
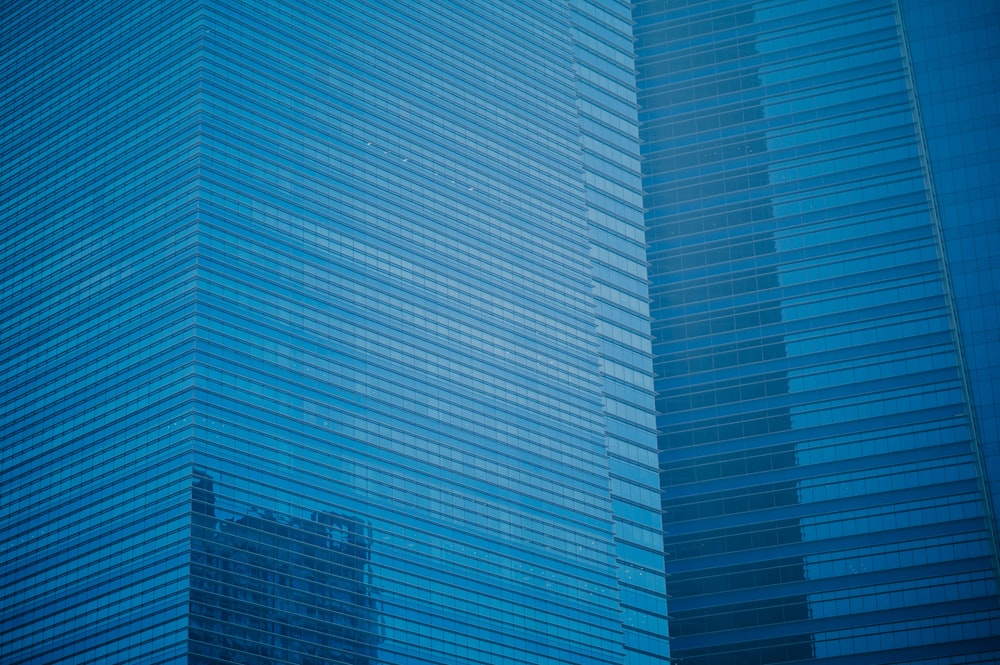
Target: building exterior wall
99	131
823	469
410	338
602	36
953	54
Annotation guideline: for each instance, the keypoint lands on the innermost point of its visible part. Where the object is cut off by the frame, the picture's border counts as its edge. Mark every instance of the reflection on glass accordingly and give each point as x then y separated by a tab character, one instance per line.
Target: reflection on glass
733	563
822	483
269	588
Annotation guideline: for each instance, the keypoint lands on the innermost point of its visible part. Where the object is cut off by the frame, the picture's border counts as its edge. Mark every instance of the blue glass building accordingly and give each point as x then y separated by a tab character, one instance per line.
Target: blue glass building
325	335
824	244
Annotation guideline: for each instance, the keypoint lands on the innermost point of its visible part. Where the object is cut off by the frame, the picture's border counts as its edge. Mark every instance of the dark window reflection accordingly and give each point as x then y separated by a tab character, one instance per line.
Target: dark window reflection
269	588
714	274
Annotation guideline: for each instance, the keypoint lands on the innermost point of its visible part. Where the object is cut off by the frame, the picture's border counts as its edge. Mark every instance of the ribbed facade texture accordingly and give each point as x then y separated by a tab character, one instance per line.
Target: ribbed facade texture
821	190
325	335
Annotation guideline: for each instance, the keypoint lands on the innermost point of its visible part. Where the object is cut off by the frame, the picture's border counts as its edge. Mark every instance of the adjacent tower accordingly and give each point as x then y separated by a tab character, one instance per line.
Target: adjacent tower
822	214
325	335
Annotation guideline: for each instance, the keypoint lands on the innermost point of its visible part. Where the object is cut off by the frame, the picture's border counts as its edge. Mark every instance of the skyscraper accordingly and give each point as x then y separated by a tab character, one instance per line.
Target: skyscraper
325	335
824	245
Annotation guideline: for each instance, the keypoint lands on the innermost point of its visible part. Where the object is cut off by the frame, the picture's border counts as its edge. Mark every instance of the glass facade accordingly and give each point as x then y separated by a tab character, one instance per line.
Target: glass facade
325	335
99	134
822	220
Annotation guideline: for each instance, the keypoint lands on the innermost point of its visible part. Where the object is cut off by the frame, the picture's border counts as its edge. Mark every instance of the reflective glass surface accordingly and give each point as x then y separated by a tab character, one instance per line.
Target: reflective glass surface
326	335
818	352
98	197
955	55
